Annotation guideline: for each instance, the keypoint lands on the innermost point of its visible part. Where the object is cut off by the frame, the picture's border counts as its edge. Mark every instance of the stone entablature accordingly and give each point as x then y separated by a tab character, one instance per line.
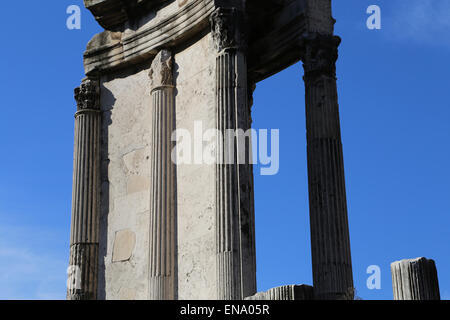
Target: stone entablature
276	29
170	26
114	13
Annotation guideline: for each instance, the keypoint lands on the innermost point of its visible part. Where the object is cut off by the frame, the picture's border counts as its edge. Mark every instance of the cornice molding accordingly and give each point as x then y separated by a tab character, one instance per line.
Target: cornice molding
114	13
111	50
275	40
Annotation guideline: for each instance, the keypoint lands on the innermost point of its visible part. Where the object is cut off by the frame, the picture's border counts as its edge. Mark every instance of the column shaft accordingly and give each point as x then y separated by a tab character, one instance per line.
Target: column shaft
330	242
247	202
163	192
85	199
227	212
236	265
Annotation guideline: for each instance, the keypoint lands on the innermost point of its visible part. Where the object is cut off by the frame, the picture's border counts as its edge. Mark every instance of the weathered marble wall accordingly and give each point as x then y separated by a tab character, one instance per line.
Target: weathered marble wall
126	145
126	102
195	101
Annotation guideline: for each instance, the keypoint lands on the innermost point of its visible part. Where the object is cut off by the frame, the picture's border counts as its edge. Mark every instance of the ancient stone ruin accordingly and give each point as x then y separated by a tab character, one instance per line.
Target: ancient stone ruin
145	227
415	279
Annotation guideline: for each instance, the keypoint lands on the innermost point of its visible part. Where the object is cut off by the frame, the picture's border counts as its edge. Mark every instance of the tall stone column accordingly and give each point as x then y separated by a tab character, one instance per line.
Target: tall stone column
330	241
82	284
163	189
247	202
415	279
236	271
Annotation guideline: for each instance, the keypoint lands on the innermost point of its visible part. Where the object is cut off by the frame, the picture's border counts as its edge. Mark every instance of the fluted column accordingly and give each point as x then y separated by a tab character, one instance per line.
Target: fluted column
415	279
236	274
82	284
163	191
330	242
247	203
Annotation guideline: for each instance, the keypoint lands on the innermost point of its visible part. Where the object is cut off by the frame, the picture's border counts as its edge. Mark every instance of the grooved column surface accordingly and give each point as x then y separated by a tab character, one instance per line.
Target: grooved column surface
290	292
247	202
162	233
330	241
162	220
235	242
227	179
415	279
85	197
84	257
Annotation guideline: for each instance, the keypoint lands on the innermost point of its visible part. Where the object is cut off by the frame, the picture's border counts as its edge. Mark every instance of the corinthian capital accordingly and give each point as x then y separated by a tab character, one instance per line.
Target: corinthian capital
87	95
320	55
227	28
161	70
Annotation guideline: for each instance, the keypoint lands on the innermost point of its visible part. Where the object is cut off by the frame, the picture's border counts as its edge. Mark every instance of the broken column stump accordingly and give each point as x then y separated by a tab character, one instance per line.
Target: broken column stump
290	292
415	279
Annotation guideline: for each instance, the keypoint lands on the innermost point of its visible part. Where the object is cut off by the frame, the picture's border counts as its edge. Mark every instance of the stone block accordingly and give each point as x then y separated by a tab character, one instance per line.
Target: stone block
124	244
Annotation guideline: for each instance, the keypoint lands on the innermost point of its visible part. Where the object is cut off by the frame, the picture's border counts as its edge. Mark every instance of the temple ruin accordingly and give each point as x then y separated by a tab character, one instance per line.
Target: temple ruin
144	227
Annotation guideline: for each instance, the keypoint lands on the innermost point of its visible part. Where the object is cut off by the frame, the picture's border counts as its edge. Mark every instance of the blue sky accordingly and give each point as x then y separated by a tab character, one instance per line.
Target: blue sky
393	92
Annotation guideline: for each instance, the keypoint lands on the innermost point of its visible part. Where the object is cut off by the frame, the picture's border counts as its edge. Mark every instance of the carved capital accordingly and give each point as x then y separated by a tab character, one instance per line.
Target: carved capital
227	29
320	55
161	70
87	95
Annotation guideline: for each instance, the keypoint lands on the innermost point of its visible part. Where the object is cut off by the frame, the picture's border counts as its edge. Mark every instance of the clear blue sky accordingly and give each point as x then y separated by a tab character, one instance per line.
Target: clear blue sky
395	112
